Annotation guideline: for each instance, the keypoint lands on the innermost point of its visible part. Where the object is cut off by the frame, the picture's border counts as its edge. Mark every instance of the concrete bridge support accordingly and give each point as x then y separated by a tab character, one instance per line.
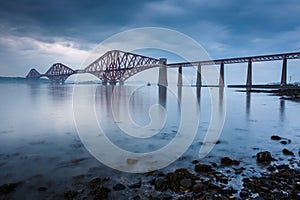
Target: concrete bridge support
179	83
249	74
199	81
284	71
221	79
162	79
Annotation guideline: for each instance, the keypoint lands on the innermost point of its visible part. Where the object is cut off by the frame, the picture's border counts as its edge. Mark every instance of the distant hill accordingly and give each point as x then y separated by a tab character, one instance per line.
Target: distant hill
22	80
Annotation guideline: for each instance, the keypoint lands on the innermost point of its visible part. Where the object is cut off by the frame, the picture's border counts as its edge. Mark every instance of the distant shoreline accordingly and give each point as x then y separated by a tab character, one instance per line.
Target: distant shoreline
285	94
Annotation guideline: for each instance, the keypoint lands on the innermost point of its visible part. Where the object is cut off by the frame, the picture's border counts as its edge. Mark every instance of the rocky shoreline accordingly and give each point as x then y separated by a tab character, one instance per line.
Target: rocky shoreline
286	94
205	181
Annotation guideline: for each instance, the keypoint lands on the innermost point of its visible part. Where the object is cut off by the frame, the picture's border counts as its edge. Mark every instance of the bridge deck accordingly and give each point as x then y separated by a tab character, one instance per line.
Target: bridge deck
272	57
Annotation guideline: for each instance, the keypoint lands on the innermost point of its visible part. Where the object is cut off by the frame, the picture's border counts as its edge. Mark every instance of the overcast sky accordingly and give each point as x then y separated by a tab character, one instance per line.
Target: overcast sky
37	33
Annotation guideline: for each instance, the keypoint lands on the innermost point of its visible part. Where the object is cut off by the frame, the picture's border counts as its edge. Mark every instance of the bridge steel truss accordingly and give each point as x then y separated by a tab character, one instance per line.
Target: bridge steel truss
58	73
117	66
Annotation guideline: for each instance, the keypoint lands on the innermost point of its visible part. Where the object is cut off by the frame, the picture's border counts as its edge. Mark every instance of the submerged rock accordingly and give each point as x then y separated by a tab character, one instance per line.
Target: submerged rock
160	184
283	142
226	161
42	189
174	179
275	185
119	187
275	137
70	194
195	162
186	182
8	188
138	184
287	152
244	194
197	188
95	180
100	193
271	169
203	168
264	157
163	196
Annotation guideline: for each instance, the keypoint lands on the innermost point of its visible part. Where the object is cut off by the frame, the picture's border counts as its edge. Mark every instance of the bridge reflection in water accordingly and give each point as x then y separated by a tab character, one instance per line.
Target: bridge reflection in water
113	113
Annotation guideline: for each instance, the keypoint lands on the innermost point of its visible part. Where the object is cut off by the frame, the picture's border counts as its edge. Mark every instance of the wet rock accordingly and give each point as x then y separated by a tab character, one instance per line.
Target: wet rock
264	157
135	185
258	198
221	178
163	196
70	194
95	180
203	168
186	183
214	164
239	170
283	142
100	193
299	152
8	188
137	197
80	190
197	188
272	185
275	137
195	162
214	186
119	187
160	184
226	161
42	189
271	168
287	152
235	162
175	177
244	194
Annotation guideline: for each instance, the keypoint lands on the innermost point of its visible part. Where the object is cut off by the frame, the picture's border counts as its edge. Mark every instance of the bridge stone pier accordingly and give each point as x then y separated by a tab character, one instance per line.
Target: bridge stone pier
162	77
284	71
199	80
221	78
179	82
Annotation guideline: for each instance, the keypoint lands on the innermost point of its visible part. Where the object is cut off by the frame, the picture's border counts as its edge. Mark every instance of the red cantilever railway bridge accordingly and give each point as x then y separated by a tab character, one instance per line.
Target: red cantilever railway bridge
117	66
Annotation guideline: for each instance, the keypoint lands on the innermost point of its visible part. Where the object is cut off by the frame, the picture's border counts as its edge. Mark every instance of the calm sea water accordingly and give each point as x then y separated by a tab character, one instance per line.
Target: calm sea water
40	145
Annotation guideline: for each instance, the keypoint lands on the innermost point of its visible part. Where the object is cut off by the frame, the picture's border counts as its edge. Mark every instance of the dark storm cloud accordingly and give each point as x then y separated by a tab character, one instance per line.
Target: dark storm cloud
91	19
47	29
65	18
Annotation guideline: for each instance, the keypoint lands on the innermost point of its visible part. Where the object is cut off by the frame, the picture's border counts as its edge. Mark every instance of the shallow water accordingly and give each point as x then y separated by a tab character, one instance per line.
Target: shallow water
40	145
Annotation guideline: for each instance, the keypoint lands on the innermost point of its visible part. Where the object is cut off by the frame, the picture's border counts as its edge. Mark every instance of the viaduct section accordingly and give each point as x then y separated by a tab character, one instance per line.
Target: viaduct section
117	66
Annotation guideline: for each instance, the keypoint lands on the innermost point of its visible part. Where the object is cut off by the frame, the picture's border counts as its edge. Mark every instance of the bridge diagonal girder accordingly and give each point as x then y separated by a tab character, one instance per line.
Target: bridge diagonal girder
115	65
33	74
59	72
59	69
